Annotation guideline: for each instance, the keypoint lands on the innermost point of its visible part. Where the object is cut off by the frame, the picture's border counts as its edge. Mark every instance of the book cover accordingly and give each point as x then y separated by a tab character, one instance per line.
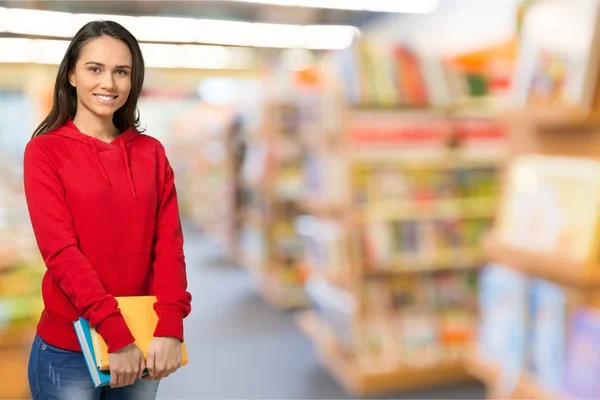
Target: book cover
583	363
83	331
547	340
503	326
140	317
558	67
551	206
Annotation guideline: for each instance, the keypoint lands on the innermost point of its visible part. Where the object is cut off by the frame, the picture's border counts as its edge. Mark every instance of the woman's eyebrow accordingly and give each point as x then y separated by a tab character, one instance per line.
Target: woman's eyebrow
102	65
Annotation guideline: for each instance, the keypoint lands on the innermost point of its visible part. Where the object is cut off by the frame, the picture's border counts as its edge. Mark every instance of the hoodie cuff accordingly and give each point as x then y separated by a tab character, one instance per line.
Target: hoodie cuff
115	332
170	322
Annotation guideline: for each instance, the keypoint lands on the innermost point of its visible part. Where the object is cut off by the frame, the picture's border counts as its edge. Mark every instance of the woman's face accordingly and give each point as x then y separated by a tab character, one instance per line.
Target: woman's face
102	76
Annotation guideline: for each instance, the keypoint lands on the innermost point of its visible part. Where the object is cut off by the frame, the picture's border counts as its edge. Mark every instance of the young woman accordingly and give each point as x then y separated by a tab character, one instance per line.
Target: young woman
103	207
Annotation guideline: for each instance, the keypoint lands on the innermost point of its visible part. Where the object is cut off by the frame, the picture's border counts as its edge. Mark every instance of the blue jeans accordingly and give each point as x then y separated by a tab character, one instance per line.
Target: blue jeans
57	374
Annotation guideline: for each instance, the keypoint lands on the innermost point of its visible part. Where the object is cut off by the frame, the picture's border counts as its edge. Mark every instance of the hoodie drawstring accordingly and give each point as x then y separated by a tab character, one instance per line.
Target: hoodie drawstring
126	159
100	166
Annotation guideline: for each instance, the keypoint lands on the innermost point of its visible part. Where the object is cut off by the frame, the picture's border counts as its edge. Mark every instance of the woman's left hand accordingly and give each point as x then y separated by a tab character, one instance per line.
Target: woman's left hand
164	357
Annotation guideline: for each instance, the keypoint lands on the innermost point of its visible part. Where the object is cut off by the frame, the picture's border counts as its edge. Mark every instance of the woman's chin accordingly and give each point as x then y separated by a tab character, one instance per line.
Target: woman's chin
104	112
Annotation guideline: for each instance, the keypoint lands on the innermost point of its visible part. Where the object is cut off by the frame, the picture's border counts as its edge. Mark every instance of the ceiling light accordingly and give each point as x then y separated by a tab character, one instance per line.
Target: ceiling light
14	50
37	22
182	30
42	51
209	57
323	37
391	6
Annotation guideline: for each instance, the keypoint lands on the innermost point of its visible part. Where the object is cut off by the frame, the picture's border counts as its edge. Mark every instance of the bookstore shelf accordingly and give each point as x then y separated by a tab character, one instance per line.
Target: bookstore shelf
431	210
484	371
321	209
431	159
468	260
271	177
408	217
552	267
526	388
362	382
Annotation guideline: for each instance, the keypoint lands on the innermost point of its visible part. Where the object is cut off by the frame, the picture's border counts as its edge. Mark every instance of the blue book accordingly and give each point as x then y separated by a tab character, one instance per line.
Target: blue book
82	328
548	334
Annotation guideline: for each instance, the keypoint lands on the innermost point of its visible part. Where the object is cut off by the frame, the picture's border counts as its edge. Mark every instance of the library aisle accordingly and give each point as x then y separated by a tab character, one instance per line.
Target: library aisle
240	349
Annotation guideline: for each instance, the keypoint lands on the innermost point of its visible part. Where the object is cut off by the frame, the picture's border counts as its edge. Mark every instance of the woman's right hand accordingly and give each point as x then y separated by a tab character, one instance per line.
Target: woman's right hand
126	365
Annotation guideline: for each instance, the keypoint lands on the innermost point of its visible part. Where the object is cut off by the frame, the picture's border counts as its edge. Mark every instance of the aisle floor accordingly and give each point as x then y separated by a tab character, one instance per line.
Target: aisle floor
239	348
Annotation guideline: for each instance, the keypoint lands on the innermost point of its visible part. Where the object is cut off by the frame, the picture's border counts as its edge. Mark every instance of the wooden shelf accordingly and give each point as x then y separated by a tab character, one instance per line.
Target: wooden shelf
320	209
358	382
481	369
431	211
429	159
384	273
462	259
526	388
556	118
554	268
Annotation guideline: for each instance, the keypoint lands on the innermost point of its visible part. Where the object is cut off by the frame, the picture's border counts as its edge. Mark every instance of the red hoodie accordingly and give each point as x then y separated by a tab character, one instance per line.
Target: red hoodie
106	220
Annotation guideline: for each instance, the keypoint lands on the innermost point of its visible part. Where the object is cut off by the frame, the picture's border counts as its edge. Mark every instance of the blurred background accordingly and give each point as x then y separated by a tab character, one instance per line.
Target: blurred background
381	198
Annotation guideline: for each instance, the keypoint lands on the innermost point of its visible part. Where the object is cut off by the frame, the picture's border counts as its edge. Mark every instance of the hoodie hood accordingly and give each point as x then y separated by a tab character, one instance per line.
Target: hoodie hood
69	130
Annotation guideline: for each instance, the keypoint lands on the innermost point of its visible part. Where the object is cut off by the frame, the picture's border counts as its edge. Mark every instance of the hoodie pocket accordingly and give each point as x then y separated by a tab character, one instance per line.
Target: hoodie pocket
125	274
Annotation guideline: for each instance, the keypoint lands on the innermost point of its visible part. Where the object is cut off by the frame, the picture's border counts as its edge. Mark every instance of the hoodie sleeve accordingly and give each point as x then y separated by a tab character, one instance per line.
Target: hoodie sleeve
170	280
53	227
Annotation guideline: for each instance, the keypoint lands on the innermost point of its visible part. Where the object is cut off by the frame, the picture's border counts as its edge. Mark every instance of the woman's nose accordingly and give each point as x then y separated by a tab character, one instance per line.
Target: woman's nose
107	81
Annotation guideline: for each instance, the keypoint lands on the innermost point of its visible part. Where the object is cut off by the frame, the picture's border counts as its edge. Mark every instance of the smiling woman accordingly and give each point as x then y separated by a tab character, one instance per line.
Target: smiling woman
102	233
102	81
103	59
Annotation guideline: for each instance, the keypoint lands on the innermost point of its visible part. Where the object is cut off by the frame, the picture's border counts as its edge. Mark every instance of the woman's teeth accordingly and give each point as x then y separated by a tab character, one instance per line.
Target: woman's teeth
105	99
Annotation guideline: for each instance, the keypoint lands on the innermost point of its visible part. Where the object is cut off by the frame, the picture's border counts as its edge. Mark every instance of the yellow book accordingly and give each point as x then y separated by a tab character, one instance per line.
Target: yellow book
139	314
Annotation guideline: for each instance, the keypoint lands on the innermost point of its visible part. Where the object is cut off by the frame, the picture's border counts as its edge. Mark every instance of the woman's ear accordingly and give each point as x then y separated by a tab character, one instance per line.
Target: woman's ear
72	79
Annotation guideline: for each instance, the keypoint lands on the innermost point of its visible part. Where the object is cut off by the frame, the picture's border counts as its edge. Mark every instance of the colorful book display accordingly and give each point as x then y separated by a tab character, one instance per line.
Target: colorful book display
551	206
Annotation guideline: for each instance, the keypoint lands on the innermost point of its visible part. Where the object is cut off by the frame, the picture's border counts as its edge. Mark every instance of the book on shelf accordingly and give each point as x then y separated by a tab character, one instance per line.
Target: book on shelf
336	308
419	216
582	361
325	179
323	245
376	73
551	70
443	243
548	315
502	336
551	206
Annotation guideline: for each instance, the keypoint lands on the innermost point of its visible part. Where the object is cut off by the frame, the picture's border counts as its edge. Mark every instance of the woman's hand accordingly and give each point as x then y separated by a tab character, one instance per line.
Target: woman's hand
126	365
164	357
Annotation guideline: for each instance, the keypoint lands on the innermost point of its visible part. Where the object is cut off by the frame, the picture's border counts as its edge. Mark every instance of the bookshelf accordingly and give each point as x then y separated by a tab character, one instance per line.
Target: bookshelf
402	222
205	169
363	383
271	185
554	289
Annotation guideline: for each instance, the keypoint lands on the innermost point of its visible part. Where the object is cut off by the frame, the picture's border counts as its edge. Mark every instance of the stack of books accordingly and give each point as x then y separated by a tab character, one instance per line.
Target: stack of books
141	319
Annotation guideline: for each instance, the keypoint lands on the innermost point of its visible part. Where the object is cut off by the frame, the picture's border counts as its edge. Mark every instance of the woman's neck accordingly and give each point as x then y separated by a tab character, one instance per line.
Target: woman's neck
101	129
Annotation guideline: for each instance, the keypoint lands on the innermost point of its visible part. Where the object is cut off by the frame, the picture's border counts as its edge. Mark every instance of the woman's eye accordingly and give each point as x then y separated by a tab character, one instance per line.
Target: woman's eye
121	72
94	69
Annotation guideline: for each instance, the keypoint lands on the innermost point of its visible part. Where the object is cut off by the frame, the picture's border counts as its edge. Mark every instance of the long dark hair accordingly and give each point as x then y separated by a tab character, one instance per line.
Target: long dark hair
64	104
